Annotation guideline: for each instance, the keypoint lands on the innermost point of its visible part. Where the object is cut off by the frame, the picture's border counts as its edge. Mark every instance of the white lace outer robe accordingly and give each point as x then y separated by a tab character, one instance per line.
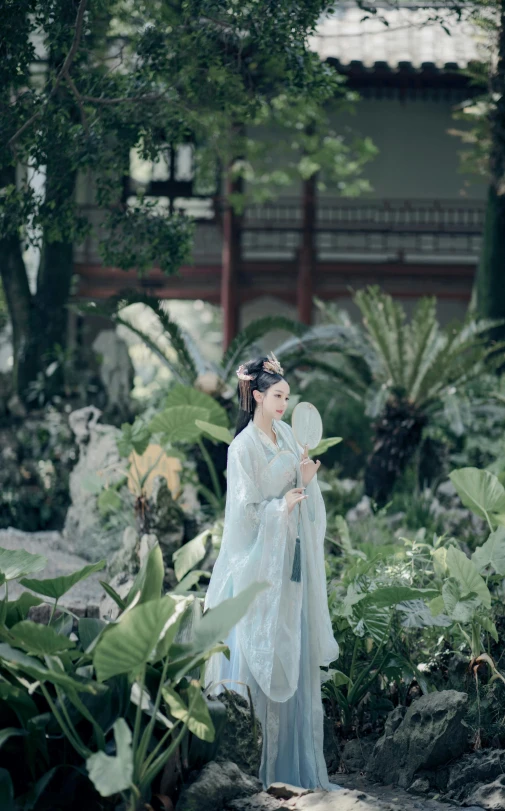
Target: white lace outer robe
258	545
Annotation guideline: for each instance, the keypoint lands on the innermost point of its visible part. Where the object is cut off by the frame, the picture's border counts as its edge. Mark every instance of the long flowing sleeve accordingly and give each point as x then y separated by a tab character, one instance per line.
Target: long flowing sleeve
257	545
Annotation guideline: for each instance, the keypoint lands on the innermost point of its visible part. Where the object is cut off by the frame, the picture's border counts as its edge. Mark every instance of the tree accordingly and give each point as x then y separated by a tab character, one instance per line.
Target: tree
405	374
490	280
82	83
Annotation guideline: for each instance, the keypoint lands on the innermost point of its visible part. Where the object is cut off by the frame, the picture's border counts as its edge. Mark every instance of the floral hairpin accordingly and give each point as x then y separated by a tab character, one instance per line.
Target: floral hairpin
242	373
272	365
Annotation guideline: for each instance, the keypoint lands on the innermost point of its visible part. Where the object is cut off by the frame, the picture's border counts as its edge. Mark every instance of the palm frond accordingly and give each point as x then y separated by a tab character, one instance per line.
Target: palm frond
179	372
422	334
249	336
384	320
354	386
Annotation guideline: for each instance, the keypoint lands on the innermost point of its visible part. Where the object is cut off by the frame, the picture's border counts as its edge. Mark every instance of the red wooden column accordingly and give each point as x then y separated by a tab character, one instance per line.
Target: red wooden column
231	260
307	253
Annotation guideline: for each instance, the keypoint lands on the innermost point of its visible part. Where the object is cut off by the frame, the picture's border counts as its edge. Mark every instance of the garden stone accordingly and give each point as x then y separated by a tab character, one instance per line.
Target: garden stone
116	370
331	745
430	734
238	743
475	769
363	509
356	754
216	785
99	460
490	796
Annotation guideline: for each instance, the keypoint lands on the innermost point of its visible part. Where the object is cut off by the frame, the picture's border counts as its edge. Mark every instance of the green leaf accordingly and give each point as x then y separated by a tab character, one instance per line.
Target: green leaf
56	587
479	490
416	614
19	700
189	554
178	424
89	629
10	732
17	610
324	445
369	620
188	396
190	580
492	552
135	437
216	623
18	661
437	606
39	639
215	431
152	585
392	595
439	561
113	595
339	679
113	774
463	570
127	646
460	609
16	563
199	722
489	626
109	501
6	791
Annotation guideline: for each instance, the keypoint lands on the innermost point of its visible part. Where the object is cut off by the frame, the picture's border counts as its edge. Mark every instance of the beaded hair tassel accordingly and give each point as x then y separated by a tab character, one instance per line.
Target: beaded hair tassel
244	387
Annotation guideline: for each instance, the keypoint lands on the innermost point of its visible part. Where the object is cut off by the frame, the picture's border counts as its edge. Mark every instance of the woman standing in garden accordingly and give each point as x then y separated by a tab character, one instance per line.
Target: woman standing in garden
274	530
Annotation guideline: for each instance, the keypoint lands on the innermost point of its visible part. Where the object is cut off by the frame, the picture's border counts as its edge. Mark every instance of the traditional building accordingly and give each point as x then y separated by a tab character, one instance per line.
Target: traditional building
417	233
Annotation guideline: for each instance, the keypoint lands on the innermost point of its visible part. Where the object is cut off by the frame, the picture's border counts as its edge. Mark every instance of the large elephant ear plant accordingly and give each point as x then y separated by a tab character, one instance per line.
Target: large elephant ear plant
109	700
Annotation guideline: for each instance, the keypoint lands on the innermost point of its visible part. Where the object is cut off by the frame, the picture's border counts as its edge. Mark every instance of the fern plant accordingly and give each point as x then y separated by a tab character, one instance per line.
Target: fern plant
403	372
185	361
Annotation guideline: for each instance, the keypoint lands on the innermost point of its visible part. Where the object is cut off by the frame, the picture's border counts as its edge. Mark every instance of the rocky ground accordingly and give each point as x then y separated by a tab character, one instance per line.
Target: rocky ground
60	561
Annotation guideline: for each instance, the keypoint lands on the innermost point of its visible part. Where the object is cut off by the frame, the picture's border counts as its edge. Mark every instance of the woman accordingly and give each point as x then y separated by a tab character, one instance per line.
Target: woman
274	529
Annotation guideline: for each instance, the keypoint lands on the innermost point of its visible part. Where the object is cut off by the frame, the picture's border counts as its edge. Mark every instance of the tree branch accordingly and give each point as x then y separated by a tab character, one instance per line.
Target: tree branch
79	22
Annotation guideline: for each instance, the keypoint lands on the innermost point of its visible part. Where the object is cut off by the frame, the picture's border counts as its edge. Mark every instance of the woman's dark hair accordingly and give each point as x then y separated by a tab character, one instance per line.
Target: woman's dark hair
262	382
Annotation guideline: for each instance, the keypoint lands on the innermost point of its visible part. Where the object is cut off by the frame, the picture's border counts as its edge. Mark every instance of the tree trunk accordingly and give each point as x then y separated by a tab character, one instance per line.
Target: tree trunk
490	280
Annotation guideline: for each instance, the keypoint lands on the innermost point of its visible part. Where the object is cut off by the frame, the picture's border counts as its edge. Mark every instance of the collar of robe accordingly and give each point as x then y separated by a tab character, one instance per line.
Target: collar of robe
266	439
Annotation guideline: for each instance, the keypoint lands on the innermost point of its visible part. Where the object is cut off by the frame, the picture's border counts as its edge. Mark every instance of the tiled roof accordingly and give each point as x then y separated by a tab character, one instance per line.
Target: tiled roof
411	37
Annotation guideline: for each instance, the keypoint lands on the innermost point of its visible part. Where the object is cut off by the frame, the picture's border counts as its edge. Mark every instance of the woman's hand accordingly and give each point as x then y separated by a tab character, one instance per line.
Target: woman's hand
294	496
308	467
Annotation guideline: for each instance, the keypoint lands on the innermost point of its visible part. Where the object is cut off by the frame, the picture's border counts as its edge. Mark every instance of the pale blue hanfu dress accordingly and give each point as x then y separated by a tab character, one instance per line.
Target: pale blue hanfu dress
278	647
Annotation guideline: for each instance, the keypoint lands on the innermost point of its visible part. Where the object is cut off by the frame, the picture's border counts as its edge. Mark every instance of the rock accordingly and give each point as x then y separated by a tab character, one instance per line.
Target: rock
473	770
126	559
116	371
166	519
363	509
258	802
331	745
420	786
238	742
284	791
60	561
83	421
430	734
356	754
99	461
490	796
216	785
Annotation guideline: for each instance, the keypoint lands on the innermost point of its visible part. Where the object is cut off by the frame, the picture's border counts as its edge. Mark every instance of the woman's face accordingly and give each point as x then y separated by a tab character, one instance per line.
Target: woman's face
274	400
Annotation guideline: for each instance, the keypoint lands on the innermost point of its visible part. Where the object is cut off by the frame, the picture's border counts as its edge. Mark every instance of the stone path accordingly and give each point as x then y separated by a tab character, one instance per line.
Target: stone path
356	795
60	561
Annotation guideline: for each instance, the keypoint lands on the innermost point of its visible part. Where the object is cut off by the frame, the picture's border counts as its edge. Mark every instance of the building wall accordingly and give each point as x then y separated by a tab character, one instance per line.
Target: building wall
417	156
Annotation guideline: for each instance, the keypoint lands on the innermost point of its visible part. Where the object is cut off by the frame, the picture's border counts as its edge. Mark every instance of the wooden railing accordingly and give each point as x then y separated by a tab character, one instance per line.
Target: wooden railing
393	229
